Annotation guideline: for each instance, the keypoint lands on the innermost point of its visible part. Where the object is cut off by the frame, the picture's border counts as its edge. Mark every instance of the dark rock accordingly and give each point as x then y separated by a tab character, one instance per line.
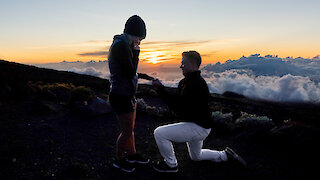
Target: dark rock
232	95
78	170
48	95
99	106
5	91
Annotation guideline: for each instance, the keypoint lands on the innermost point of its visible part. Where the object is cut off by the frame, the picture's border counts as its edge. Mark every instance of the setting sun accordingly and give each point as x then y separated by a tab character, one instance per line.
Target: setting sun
155	57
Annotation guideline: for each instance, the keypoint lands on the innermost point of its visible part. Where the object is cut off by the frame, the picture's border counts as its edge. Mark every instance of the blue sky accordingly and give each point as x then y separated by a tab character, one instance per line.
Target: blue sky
240	27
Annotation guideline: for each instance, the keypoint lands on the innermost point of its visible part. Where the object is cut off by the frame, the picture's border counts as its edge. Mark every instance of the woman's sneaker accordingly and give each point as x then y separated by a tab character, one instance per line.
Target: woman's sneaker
137	158
162	166
124	165
232	156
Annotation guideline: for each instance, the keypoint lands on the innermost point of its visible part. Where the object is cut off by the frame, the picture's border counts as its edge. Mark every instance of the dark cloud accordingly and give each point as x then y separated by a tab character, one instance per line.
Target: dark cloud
316	57
102	54
158	49
208	54
176	43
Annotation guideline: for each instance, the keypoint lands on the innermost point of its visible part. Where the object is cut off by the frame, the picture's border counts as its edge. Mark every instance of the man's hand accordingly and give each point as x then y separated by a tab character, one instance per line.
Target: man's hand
156	83
145	76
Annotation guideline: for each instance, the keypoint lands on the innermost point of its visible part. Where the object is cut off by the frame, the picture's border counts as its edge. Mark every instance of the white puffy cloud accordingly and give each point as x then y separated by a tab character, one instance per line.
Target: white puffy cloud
272	66
288	88
89	71
270	77
93	68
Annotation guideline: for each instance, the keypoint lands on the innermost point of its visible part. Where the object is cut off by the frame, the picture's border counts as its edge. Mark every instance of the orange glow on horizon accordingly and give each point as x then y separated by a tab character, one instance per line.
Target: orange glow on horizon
156	56
152	53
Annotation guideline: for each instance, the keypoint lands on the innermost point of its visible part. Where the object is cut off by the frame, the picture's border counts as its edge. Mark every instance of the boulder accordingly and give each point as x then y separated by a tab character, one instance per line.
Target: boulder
99	106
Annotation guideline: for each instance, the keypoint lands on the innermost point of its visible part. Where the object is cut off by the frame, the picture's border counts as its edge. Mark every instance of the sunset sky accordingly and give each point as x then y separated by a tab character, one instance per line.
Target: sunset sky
44	31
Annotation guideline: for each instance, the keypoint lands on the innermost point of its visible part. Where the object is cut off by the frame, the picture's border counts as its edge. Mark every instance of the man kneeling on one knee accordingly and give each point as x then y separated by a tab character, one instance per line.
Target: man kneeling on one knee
191	104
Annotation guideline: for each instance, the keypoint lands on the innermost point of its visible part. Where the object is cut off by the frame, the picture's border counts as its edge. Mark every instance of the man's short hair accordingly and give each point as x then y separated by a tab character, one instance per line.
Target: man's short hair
194	55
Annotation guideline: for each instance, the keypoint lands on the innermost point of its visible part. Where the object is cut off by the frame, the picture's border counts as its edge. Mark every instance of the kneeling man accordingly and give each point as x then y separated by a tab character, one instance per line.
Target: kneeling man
190	103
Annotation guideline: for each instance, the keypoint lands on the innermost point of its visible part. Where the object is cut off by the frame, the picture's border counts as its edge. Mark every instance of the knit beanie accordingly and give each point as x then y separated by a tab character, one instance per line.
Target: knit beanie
135	26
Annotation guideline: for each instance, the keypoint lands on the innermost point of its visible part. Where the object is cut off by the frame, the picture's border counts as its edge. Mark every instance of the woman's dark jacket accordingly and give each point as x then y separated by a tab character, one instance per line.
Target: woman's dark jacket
123	63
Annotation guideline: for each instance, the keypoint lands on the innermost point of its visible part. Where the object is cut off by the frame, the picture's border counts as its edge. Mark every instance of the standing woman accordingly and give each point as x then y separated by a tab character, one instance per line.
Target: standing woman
123	63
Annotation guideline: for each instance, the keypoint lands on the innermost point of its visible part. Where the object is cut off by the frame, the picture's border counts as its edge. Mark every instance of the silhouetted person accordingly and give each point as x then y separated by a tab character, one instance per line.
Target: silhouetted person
191	105
123	63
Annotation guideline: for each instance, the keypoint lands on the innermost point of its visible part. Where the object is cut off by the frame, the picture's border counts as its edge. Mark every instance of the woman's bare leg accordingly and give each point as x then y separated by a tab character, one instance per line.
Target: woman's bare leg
126	141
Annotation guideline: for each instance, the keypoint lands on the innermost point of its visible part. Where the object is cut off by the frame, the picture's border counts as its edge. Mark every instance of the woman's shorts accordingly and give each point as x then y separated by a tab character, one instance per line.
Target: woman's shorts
122	104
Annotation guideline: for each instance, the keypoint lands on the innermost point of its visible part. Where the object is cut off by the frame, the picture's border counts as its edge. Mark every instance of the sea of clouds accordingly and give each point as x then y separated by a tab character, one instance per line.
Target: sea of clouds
93	68
269	77
263	77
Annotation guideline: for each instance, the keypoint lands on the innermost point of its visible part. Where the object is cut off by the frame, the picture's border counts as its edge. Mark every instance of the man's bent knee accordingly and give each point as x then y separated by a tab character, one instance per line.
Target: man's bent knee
195	157
158	132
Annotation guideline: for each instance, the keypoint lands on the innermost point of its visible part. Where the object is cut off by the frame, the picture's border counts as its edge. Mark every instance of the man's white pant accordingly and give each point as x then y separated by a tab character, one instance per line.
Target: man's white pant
188	132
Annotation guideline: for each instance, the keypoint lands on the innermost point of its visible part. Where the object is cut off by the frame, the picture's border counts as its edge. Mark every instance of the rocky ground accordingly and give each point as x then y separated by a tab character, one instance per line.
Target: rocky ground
45	137
58	125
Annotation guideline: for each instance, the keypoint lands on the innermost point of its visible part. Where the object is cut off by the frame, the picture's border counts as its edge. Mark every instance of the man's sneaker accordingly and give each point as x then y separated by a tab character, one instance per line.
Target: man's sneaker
124	165
137	158
231	155
162	166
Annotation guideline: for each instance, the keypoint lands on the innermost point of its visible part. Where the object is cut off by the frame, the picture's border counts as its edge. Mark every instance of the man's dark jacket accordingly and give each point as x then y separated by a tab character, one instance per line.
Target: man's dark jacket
191	102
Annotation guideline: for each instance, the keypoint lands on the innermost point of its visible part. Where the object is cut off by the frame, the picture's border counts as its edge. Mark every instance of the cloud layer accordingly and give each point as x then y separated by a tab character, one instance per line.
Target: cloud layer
270	77
271	66
288	88
93	68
